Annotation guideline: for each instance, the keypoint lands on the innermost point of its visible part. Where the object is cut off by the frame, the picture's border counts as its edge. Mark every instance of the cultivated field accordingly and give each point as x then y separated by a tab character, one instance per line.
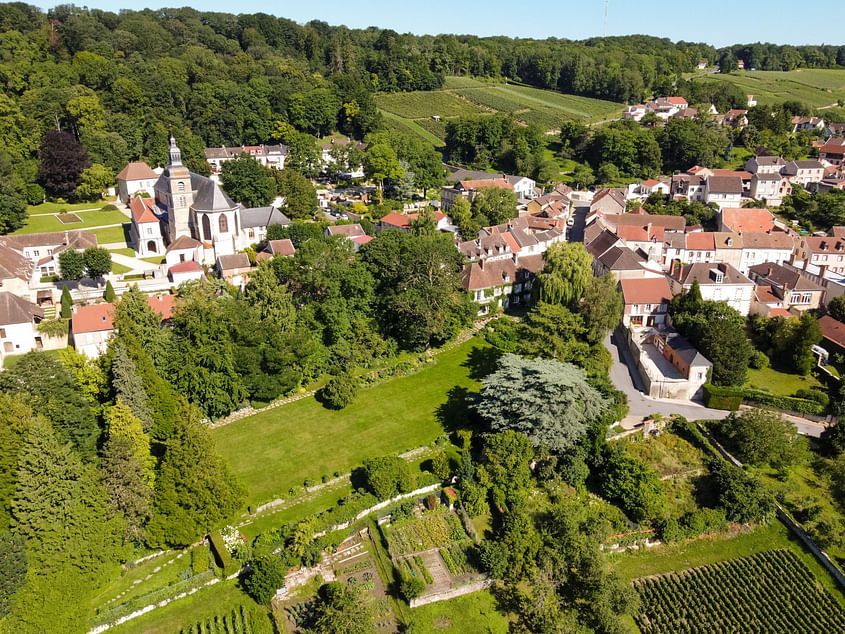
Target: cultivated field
815	87
768	592
463	96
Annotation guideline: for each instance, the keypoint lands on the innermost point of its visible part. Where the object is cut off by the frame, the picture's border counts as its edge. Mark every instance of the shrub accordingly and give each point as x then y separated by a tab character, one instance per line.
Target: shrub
411	588
813	395
267	576
110	295
758	360
34	194
387	476
440	465
221	554
339	391
790	403
67	303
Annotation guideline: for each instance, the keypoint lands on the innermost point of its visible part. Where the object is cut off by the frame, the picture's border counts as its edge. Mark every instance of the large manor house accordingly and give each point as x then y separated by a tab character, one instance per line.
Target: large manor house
190	212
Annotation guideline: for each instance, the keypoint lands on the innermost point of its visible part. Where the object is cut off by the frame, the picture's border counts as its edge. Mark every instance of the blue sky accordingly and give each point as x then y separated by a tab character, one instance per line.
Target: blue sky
715	21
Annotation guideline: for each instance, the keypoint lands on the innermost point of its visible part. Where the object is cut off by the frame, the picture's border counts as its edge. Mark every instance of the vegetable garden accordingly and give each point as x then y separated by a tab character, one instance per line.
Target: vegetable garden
772	591
432	530
239	621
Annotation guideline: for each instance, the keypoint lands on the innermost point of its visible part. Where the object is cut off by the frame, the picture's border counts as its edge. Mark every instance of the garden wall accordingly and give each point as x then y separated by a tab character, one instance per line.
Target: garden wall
460	591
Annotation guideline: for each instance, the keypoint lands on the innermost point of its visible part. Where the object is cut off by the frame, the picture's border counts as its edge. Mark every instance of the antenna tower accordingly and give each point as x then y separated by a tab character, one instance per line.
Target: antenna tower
606	7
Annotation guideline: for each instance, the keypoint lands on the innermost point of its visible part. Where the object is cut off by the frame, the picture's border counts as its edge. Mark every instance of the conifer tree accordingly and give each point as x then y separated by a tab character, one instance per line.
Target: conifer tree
128	387
126	480
15	416
110	295
67	303
195	491
13	565
120	422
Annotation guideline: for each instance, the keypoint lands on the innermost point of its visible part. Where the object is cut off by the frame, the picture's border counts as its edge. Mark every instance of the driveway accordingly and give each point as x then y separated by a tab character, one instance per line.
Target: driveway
626	378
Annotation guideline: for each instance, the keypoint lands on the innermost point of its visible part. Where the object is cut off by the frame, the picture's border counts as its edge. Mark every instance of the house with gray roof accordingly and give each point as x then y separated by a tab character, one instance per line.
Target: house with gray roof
18	321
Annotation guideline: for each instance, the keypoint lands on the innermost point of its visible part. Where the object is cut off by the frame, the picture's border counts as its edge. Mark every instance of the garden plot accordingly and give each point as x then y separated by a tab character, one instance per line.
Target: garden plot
68	219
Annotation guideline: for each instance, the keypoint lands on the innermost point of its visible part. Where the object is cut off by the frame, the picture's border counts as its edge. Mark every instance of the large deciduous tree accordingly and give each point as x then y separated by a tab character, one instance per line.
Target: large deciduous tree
71	265
247	181
496	204
567	274
62	161
97	261
94	182
550	402
762	437
298	192
380	163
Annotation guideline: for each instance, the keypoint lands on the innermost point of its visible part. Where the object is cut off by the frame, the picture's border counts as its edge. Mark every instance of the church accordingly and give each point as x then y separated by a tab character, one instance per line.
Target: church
189	205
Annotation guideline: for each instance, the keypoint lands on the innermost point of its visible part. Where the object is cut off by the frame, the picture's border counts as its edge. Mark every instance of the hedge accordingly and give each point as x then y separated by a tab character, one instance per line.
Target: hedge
732	397
718	397
221	554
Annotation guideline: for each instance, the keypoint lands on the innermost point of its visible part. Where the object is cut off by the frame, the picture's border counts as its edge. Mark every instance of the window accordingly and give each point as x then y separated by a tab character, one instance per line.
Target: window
3	333
181	201
648	308
635	309
50	252
180	187
224	224
206	227
149	231
36	252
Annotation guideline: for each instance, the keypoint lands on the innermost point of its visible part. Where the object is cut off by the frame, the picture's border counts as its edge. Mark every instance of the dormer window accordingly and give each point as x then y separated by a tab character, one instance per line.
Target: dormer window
717	275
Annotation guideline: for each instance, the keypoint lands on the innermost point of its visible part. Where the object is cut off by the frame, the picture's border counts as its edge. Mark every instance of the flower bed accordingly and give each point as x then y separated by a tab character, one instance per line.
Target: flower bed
432	530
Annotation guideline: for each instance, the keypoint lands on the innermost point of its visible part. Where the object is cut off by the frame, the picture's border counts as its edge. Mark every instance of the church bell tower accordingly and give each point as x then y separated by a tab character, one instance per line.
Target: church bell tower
180	194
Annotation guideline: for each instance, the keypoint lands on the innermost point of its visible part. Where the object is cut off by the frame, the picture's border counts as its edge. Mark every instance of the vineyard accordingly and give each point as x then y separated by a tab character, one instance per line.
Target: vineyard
772	591
240	620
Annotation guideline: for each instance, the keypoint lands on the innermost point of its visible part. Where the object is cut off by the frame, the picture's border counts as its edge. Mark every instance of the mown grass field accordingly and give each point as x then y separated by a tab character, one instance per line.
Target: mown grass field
110	235
280	448
474	612
814	86
463	96
782	383
43	222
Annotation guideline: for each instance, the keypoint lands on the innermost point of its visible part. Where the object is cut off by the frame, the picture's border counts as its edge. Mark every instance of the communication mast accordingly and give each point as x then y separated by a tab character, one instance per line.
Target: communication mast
606	7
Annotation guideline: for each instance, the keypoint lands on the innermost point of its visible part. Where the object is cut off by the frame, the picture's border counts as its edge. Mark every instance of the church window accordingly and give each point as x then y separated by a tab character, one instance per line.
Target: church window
181	201
224	224
206	228
180	187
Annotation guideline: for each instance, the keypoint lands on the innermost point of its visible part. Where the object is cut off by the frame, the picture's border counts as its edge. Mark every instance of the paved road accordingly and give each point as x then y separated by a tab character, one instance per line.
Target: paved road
641	406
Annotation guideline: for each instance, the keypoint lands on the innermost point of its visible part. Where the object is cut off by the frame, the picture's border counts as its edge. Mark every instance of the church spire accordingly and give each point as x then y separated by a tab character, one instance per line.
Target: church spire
175	152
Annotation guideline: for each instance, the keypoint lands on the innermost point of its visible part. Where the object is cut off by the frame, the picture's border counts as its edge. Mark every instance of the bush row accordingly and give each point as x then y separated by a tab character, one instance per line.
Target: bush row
731	398
221	553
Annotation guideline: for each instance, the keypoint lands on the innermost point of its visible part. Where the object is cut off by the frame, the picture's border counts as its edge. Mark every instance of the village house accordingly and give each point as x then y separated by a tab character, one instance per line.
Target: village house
395	220
16	272
833	152
700	247
282	247
469	189
686	113
670	367
326	152
802	124
43	249
735	118
19	319
501	284
689	186
184	272
635	112
234	268
833	335
725	191
803	172
608	201
821	254
719	282
764	165
762	246
647	188
267	155
135	178
729	247
646	301
92	325
665	107
792	288
354	233
742	219
770	188
624	264
674	248
145	230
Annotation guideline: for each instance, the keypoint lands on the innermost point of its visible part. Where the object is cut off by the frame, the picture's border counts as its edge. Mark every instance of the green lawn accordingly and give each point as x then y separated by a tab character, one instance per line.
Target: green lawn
109	235
118	268
217	599
125	251
474	612
48	222
52	208
280	448
12	360
780	382
708	550
159	259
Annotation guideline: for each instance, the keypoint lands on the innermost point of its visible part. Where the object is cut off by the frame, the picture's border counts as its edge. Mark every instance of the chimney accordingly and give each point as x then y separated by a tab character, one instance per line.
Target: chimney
481	264
771	270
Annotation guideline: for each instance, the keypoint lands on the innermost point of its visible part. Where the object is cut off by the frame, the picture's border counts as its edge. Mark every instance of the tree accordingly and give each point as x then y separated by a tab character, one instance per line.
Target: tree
270	298
95	180
582	176
550	402
496	204
601	307
745	498
762	437
836	308
440	465
632	484
298	192
340	391
195	491
58	501
13	567
461	214
267	576
97	261
248	181
125	479
303	154
71	264
380	163
567	274
54	394
405	188
507	465
552	331
67	303
344	610
807	334
62	161
121	422
387	476
12	208
110	296
15	417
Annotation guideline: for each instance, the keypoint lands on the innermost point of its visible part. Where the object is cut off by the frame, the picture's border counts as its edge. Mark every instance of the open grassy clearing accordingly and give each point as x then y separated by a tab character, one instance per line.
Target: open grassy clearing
112	235
474	612
395	122
782	383
118	268
707	550
128	252
815	87
53	208
280	448
42	223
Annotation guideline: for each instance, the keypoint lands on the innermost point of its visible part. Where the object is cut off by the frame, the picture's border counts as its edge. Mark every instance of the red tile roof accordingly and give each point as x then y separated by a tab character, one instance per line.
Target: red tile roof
141	211
136	171
499	183
833	330
93	318
362	239
780	312
646	290
162	304
748	219
281	247
701	241
188	266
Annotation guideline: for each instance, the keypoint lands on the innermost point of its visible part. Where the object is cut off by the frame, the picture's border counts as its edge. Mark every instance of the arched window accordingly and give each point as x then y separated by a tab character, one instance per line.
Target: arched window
206	227
180	187
224	224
